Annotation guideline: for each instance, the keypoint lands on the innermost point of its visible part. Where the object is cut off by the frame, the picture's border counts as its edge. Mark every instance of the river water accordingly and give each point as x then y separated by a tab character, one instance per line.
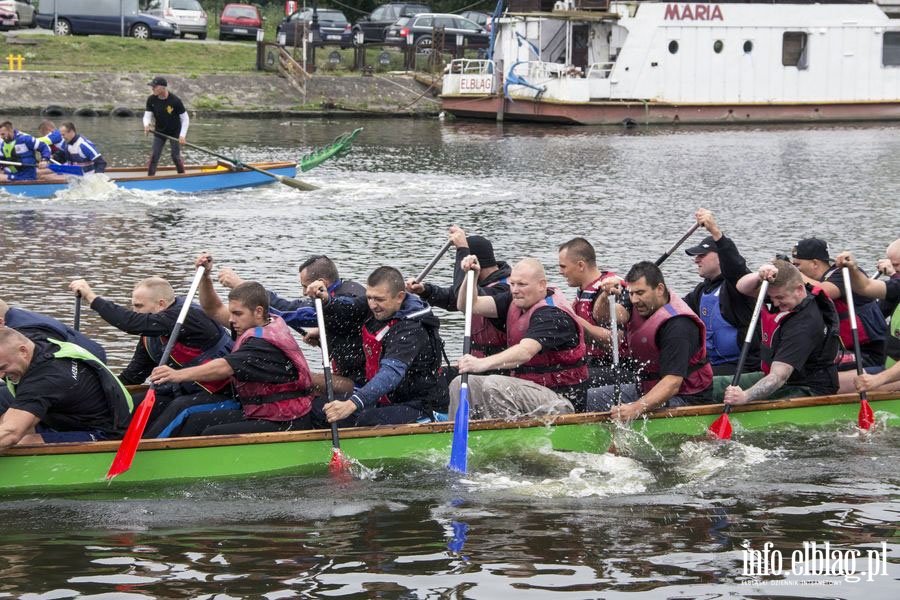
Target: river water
667	522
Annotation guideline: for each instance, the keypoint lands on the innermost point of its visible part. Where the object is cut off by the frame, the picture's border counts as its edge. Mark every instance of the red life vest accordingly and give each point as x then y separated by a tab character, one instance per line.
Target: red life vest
276	401
769	323
183	356
373	347
845	327
641	335
584	308
549	368
486	338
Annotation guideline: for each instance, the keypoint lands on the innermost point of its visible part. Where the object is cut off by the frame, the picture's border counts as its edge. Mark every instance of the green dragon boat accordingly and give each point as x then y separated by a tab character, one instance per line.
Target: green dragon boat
83	466
339	147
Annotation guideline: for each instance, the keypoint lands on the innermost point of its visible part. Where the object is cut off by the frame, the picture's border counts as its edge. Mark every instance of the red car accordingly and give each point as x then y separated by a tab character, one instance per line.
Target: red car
239	21
8	20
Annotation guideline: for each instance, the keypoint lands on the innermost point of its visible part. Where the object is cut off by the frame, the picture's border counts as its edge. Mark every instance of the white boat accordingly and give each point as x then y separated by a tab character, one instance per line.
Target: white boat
588	62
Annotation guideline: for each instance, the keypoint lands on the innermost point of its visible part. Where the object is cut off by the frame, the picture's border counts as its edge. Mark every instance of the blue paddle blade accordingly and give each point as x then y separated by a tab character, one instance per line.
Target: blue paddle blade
67	169
460	447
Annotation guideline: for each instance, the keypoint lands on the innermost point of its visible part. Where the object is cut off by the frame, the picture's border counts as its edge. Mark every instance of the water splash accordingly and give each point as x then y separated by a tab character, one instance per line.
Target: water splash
700	460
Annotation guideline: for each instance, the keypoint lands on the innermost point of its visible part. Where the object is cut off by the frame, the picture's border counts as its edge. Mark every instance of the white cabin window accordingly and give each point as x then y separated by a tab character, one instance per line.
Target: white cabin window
793	49
890	52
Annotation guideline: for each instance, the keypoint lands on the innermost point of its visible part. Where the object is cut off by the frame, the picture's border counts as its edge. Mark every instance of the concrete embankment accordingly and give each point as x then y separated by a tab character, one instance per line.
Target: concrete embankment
68	93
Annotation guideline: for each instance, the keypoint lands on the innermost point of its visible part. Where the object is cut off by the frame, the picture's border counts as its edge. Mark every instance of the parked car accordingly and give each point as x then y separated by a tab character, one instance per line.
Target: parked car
103	17
374	27
23	9
187	14
239	21
422	27
8	20
481	18
333	26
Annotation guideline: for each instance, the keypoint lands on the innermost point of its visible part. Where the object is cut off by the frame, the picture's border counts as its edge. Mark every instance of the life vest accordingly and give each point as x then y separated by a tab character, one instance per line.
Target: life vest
487	339
183	356
770	322
373	347
549	368
18	318
276	401
722	345
117	397
584	307
894	333
641	335
843	312
21	149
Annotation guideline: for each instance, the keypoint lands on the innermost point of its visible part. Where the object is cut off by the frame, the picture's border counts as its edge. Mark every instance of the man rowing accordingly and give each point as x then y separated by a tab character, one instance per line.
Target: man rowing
666	341
799	340
810	256
344	339
725	311
266	367
79	151
578	265
545	354
488	335
402	350
60	393
890	266
155	309
20	148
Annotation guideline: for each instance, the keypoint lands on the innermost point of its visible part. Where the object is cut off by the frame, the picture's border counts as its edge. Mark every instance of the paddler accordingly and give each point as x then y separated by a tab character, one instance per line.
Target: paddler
155	309
402	352
799	340
61	393
79	151
667	342
545	354
19	147
488	335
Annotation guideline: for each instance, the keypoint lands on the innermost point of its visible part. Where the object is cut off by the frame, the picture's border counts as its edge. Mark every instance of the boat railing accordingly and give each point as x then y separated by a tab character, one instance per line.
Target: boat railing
471	66
540	71
600	70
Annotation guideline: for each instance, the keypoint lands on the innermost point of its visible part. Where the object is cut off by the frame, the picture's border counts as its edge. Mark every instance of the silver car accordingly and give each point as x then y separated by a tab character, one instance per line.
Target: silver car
23	8
187	14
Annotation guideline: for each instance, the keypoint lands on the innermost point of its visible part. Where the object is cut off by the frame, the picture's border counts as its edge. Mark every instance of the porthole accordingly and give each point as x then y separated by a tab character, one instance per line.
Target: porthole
748	47
717	46
673	47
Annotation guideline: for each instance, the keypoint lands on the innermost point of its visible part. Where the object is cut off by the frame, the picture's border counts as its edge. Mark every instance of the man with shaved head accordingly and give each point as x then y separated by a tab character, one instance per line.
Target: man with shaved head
154	312
545	354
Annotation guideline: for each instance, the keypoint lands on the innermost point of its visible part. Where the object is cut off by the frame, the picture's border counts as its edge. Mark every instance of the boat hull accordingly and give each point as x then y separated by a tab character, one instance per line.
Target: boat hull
75	467
197	178
655	113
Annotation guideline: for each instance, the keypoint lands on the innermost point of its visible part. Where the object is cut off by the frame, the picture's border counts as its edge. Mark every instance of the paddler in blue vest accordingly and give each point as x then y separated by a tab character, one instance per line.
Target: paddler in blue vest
725	311
344	341
799	338
403	353
61	393
488	335
19	147
153	315
50	135
79	151
545	355
886	377
666	341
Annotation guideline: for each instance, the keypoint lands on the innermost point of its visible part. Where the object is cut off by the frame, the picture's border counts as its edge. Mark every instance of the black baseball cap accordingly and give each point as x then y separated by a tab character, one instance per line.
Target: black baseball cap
707	245
483	249
159	81
811	249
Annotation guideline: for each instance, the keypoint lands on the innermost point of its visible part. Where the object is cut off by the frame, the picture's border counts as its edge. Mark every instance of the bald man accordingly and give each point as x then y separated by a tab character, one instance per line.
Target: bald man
154	312
545	354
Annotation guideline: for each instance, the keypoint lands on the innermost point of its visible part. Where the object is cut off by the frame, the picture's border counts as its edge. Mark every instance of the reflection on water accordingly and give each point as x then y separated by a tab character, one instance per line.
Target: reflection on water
655	521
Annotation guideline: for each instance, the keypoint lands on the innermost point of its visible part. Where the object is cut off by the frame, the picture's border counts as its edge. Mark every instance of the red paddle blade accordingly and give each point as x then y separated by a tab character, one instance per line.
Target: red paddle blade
339	464
125	454
721	427
866	416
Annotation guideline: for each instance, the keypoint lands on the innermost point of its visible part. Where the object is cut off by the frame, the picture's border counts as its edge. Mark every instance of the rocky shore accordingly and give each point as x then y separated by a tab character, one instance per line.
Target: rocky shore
56	94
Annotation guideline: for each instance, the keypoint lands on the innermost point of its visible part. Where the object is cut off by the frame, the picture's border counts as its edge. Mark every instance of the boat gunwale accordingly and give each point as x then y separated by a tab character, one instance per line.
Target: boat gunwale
428	428
110	172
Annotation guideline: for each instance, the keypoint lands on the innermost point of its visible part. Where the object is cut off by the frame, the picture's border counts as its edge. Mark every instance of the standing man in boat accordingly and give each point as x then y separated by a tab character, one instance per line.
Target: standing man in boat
810	256
167	112
545	356
666	341
488	335
61	393
155	311
80	151
725	311
799	340
19	147
344	339
578	265
402	352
